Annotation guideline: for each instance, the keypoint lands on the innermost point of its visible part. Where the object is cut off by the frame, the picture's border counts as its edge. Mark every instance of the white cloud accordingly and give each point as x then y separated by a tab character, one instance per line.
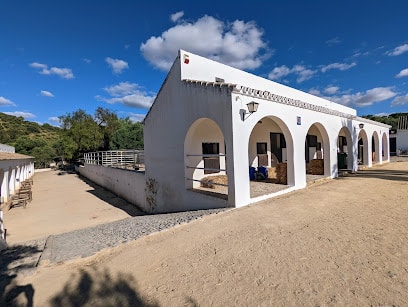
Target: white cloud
279	72
339	66
400	100
87	61
303	73
402	73
398	50
22	114
365	99
128	94
54	119
315	91
237	44
117	65
136	117
122	89
382	114
331	90
300	71
6	102
46	94
176	16
38	65
65	73
333	41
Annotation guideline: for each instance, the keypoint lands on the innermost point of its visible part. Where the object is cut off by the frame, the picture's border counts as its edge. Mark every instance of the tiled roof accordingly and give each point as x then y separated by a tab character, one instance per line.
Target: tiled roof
403	122
13	156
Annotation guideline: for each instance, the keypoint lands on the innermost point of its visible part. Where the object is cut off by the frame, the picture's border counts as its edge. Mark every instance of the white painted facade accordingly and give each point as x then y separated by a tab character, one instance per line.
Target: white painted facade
202	101
14	169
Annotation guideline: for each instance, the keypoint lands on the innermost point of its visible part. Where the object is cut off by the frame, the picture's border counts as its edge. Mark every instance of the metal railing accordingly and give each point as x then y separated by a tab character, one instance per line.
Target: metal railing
127	159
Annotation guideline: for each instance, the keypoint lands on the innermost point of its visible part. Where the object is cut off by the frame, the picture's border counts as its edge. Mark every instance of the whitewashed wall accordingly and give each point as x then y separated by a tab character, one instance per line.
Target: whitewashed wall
402	140
129	185
179	104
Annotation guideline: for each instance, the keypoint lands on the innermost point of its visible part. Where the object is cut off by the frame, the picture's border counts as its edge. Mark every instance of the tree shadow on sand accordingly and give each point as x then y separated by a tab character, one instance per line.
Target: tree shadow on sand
13	260
100	288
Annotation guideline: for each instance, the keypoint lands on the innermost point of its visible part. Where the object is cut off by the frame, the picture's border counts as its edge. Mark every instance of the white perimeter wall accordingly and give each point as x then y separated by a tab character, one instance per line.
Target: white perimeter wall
402	140
129	185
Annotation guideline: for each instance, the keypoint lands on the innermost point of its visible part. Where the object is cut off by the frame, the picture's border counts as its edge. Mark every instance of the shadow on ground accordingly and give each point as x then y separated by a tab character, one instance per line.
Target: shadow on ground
385	174
11	262
111	198
100	288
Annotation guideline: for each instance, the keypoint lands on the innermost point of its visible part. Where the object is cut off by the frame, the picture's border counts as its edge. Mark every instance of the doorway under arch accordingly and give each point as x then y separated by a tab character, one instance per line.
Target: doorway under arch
385	147
270	157
344	150
375	148
317	151
363	154
205	158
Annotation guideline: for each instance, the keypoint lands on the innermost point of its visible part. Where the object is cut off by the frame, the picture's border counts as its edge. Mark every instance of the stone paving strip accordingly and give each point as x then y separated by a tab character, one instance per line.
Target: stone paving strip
24	258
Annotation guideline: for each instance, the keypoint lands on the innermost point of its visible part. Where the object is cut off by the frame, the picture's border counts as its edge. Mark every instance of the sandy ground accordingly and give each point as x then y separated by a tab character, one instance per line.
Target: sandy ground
342	242
62	202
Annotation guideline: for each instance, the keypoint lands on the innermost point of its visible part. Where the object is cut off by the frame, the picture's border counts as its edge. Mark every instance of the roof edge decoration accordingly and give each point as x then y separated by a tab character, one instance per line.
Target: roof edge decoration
266	95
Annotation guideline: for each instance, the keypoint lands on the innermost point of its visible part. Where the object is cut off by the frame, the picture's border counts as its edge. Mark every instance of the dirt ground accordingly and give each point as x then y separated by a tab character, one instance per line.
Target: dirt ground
84	205
342	242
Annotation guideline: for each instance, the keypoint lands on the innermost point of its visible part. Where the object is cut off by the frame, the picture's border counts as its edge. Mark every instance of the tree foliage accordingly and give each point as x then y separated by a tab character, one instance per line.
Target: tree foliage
128	135
80	132
391	119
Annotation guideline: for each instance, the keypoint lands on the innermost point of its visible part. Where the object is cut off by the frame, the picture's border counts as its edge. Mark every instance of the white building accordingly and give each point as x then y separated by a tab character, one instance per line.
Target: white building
402	135
200	126
14	169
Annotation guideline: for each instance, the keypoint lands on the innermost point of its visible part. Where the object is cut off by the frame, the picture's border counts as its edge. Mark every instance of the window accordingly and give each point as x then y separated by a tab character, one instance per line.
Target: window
261	148
261	151
211	162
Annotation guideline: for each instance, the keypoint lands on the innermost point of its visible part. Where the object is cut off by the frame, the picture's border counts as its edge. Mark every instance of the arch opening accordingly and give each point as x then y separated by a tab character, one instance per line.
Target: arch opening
270	157
344	150
375	148
363	155
317	152
205	159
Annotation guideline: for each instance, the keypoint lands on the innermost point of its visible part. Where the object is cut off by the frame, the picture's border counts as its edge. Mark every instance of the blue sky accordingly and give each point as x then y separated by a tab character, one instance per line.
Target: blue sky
59	56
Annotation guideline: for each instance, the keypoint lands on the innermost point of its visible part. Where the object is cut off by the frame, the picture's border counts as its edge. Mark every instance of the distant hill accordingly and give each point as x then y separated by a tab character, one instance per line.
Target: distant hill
13	127
391	119
29	138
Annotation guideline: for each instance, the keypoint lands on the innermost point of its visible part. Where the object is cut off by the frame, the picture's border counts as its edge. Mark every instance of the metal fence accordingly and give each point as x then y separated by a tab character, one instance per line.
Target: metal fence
127	159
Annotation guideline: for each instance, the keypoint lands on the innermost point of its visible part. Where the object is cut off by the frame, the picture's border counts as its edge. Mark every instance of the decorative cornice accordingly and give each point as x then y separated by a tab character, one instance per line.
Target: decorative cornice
213	84
243	90
266	95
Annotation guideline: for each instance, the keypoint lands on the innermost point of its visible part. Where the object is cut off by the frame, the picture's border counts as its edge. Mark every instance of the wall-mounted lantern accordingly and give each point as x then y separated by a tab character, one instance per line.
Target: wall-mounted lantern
252	108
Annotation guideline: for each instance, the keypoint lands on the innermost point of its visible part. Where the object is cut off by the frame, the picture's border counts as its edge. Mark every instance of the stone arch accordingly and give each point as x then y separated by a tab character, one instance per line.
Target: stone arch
344	149
3	186
375	148
317	147
385	147
272	132
363	155
203	135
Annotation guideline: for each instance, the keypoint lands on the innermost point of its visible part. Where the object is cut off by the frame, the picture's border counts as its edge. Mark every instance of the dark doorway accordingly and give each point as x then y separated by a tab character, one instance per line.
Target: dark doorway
211	158
277	143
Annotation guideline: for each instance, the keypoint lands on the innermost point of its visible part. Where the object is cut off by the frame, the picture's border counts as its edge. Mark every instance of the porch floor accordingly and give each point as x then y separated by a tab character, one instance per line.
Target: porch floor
257	188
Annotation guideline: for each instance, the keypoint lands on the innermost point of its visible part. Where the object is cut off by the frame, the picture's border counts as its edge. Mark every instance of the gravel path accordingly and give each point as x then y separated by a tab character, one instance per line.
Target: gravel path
24	258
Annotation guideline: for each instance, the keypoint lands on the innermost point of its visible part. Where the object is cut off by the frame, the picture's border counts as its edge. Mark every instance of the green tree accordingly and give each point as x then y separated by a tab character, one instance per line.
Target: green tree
108	123
81	131
128	136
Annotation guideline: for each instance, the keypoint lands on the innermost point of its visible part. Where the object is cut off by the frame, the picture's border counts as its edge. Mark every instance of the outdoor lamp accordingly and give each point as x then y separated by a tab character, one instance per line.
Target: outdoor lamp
361	126
252	106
